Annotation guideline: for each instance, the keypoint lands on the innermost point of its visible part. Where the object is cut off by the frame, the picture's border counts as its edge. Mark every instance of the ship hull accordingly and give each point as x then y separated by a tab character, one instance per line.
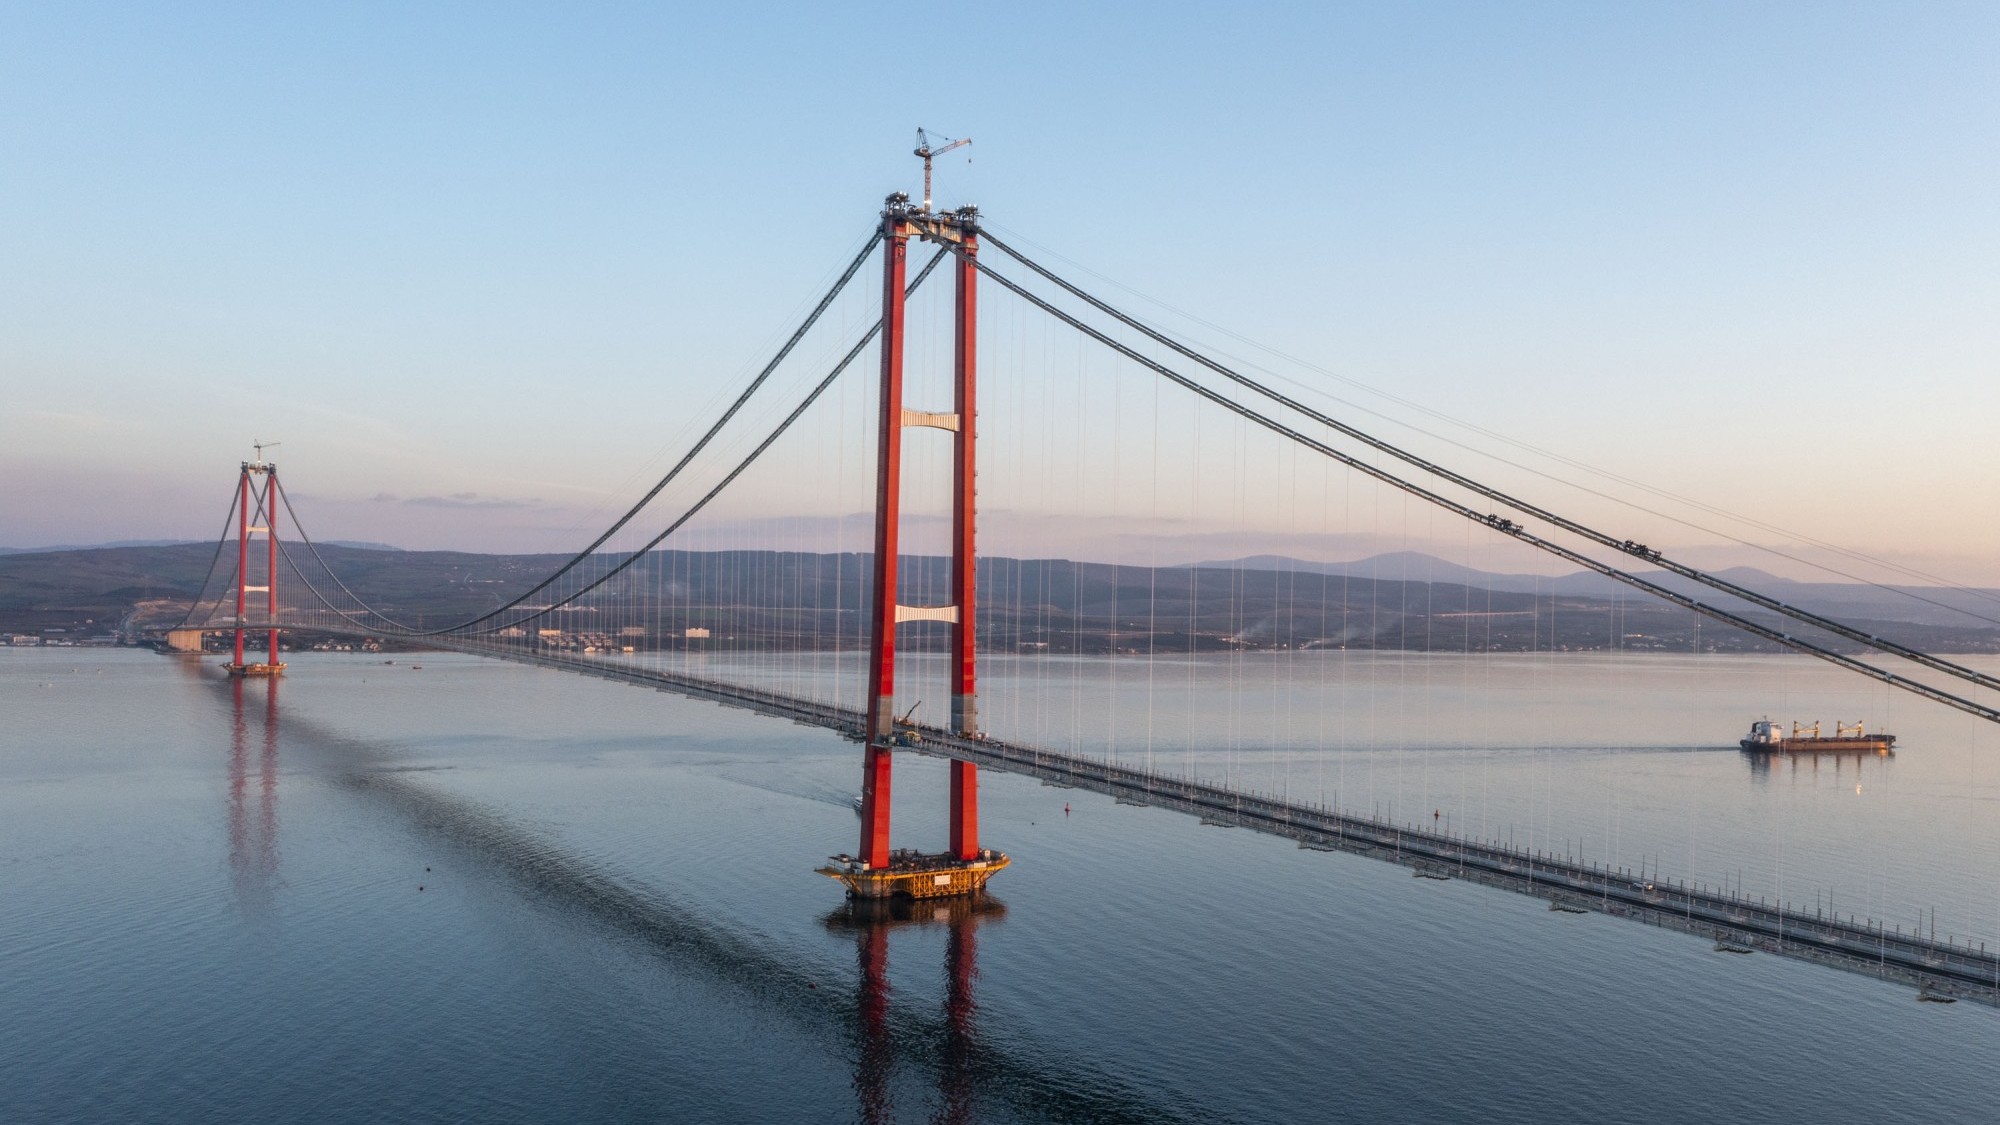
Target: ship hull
1867	744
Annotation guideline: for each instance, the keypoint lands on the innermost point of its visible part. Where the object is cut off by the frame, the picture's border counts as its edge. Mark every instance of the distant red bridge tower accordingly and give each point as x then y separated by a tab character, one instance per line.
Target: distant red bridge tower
257	514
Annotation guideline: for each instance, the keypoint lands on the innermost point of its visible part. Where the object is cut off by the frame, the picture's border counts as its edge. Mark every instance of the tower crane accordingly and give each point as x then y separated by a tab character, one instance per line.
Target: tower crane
928	148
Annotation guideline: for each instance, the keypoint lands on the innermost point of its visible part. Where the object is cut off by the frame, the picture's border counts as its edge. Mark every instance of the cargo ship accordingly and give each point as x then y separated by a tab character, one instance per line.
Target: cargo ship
1766	735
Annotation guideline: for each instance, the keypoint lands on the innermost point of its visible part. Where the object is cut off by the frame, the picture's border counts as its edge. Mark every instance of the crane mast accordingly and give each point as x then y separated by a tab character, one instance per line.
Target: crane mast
926	149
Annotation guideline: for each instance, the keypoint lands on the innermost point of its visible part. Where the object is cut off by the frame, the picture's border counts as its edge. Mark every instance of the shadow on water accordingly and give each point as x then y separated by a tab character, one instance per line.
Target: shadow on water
883	1035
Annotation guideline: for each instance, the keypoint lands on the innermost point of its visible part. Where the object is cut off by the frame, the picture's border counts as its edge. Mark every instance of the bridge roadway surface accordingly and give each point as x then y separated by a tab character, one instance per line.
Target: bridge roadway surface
1938	970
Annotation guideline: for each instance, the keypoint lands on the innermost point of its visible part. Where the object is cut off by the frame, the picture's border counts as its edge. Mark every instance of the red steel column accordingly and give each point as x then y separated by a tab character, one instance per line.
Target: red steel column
271	550
881	732
964	569
242	554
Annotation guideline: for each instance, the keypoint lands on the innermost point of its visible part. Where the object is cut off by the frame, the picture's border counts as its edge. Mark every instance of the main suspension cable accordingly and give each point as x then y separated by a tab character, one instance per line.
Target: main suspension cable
1497	523
300	527
221	542
324	601
1637	550
631	513
695	451
1582	466
812	397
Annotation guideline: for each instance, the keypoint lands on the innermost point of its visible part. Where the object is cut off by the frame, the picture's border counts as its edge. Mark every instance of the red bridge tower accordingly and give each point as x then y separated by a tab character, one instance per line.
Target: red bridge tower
879	872
257	513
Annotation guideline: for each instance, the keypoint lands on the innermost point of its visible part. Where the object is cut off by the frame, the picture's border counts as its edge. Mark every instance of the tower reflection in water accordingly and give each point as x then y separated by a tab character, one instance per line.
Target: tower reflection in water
870	922
253	831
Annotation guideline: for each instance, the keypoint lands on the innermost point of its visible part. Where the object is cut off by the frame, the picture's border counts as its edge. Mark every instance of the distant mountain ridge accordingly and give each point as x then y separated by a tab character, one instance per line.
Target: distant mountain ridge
1926	605
94	546
1407	600
359	545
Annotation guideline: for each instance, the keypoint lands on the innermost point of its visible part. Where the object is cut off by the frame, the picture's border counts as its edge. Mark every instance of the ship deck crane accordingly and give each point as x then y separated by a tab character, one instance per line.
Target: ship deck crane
927	148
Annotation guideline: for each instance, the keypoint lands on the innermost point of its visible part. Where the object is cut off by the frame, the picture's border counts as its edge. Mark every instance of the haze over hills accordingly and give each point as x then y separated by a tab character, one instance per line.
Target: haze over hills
1924	605
1407	601
361	545
93	546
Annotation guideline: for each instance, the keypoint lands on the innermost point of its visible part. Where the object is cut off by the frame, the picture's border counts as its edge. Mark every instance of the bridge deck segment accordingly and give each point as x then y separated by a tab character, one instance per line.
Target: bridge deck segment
1938	969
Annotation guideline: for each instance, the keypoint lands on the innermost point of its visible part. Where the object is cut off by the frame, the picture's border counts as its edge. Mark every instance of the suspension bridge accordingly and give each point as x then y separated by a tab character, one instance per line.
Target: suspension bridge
836	625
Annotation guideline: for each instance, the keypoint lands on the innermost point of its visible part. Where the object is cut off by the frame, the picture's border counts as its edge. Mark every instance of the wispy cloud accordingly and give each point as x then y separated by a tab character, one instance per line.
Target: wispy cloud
460	500
78	420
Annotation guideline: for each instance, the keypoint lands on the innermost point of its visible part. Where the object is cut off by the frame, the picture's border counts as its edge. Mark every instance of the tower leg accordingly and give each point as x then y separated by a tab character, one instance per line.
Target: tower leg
271	569
964	564
964	810
242	557
881	724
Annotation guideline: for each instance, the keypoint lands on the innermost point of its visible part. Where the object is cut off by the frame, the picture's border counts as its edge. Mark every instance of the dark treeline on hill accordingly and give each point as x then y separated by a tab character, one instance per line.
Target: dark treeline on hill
767	599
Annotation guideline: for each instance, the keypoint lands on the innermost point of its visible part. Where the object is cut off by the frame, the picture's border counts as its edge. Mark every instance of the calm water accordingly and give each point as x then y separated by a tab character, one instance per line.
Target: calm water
480	892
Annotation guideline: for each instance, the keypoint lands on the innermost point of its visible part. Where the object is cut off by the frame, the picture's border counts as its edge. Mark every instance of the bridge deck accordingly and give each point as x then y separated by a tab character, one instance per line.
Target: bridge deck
1936	969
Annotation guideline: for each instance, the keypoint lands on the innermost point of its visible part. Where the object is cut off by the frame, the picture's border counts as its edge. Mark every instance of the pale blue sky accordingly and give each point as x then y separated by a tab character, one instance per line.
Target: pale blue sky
500	250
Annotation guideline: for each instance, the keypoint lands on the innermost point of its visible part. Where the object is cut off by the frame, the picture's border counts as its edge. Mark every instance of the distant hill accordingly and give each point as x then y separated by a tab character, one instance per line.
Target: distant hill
1405	601
1415	566
359	545
93	546
1921	605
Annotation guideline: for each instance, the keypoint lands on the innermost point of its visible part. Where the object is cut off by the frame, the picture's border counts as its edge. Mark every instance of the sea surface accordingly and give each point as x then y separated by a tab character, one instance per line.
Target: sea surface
474	891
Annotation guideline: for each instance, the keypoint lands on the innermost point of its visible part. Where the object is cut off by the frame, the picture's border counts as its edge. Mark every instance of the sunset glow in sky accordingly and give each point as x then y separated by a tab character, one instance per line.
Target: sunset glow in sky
479	266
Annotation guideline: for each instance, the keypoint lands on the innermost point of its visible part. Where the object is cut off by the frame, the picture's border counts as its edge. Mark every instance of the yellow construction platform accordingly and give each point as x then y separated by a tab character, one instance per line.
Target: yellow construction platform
911	875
